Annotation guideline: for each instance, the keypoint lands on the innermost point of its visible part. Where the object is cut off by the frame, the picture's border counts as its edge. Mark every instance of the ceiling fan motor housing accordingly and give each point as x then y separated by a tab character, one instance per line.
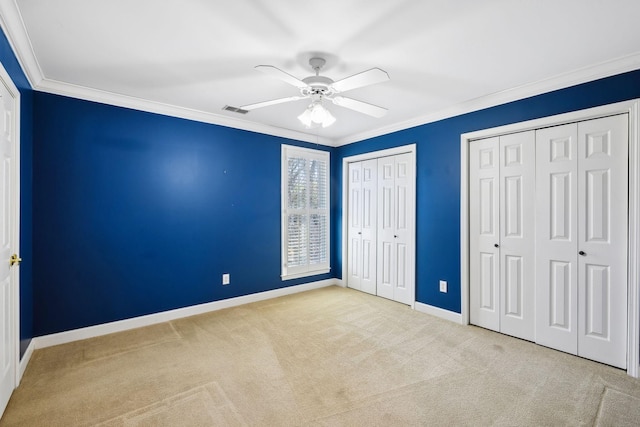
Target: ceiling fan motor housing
318	85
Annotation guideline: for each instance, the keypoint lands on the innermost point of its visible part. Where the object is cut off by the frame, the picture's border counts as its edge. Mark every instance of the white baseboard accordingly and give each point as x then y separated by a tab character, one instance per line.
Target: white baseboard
26	357
439	312
165	316
341	283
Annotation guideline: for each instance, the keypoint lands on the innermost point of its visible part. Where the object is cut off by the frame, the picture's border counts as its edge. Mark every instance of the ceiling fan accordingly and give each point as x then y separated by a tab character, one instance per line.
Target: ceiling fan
319	88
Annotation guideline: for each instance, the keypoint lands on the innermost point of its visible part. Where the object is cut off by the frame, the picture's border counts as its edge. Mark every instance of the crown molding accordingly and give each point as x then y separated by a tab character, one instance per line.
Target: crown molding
594	72
13	26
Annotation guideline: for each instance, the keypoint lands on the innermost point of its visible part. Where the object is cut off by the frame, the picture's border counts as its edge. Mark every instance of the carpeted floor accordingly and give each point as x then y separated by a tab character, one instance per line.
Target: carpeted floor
322	358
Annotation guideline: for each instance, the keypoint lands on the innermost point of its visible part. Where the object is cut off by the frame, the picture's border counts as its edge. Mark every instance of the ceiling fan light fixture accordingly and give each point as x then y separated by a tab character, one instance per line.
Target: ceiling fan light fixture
305	118
316	115
328	120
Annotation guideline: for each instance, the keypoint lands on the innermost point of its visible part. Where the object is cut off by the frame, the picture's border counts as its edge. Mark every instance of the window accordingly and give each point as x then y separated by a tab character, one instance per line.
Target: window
305	212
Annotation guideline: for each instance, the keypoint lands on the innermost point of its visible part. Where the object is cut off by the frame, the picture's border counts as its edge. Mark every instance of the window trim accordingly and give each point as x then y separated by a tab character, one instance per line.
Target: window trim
308	270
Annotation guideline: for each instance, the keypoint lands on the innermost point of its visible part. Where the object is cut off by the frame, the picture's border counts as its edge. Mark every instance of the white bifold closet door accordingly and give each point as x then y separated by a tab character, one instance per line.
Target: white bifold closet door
502	261
381	230
548	236
396	236
581	239
362	235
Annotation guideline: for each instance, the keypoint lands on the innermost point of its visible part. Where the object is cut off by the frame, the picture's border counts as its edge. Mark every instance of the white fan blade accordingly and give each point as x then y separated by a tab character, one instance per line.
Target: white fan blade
365	78
359	106
279	74
272	102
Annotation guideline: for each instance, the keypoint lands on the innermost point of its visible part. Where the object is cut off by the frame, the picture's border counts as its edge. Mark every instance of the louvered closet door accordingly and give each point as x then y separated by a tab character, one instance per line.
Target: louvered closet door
362	226
484	231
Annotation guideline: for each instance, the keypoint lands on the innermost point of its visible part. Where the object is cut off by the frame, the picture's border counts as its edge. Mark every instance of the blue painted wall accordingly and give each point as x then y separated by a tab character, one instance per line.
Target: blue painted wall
137	213
438	174
10	63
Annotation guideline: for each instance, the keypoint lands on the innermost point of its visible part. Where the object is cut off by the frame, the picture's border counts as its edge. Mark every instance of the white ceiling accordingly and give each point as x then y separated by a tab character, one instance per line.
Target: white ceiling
190	58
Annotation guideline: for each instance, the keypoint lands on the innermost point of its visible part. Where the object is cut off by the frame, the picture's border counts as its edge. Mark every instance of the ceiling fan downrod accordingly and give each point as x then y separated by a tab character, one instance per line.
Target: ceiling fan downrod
317	85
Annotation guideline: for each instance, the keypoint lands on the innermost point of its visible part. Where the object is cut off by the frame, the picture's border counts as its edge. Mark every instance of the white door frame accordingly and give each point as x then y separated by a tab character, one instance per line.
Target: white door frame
633	109
14	237
411	149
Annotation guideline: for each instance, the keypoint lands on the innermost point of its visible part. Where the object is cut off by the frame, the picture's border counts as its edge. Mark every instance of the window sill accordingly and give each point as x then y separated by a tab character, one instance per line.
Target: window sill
305	274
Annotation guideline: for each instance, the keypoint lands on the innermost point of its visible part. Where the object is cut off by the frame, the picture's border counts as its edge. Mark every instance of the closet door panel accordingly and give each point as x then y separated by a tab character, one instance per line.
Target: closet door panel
354	267
602	222
556	238
484	228
386	267
517	257
381	227
560	282
362	216
404	234
369	224
396	234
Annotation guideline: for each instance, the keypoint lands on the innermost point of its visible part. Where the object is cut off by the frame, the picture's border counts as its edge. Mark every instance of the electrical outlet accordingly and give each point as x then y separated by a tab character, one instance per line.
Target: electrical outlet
226	278
443	286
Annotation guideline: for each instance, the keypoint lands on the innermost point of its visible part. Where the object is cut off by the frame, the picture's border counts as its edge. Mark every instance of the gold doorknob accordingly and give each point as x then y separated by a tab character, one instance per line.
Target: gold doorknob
15	260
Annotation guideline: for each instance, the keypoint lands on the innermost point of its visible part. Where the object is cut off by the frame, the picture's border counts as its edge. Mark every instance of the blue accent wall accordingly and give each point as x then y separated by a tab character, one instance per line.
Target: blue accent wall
11	65
137	213
438	174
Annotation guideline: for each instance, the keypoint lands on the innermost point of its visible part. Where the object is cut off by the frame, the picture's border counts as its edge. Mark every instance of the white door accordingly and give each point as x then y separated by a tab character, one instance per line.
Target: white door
404	236
396	230
386	227
362	226
517	234
602	239
556	237
581	247
501	224
354	263
369	225
8	284
484	232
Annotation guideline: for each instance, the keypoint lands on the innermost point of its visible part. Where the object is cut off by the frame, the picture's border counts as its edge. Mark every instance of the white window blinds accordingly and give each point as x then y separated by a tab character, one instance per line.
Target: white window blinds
305	212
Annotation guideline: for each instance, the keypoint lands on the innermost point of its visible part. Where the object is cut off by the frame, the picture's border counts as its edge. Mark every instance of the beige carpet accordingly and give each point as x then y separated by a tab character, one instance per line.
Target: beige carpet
327	357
